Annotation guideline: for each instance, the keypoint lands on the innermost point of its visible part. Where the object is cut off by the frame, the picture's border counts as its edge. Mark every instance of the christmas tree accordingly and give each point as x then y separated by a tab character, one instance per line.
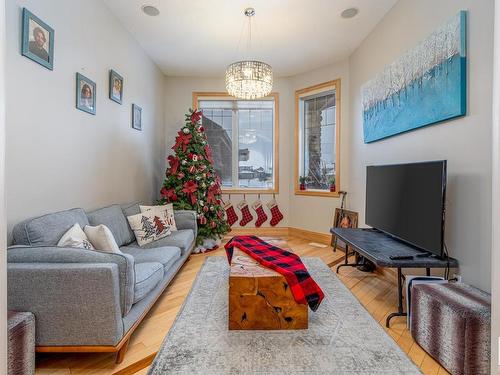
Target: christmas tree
191	182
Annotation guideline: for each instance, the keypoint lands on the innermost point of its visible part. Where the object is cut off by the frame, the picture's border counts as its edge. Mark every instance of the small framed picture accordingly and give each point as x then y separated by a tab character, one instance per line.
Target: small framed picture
85	94
37	40
344	219
115	86
136	117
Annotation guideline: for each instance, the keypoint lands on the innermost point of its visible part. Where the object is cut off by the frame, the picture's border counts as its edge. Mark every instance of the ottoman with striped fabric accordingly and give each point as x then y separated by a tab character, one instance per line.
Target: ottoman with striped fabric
451	322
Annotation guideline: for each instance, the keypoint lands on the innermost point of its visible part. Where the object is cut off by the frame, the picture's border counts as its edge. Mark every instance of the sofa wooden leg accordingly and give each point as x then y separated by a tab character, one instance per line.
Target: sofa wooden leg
121	353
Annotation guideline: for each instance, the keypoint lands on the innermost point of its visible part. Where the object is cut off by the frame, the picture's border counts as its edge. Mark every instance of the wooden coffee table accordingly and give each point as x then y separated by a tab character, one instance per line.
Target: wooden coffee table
260	298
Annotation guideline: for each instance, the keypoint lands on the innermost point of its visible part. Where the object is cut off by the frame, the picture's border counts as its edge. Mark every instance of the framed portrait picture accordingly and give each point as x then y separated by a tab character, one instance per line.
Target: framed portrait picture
344	219
37	40
136	117
85	94
115	86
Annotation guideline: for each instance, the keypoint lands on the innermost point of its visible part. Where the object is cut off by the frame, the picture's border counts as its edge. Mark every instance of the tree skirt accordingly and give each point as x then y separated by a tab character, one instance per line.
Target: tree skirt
342	337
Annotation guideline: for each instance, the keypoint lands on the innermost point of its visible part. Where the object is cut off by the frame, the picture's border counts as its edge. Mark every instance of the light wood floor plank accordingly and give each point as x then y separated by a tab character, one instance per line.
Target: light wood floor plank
376	292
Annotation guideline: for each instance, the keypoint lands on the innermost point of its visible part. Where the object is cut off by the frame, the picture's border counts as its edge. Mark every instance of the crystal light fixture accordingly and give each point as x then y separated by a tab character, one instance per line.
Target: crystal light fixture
249	79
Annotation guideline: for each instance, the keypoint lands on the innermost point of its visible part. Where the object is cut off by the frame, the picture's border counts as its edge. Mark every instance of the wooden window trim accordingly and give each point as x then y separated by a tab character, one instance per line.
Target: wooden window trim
196	97
298	94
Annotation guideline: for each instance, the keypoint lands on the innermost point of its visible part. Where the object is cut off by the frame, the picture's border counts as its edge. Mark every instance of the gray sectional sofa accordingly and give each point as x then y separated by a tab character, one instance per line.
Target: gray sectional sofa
89	300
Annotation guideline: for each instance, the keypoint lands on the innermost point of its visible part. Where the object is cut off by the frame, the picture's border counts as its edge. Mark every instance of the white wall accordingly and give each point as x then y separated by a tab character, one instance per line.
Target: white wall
59	157
3	236
464	142
178	99
309	212
495	252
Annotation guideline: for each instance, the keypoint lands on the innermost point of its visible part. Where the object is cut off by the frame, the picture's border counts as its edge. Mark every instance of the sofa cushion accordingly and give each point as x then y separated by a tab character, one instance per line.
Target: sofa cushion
115	220
167	255
182	239
147	277
48	229
130	209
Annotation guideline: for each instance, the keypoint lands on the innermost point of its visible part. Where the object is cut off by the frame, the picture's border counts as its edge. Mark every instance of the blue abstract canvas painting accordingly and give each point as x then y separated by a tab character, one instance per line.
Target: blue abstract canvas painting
425	86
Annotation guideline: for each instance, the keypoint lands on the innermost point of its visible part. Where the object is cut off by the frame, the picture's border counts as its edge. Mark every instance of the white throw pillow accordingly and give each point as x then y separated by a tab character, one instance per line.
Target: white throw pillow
102	238
148	227
75	237
165	212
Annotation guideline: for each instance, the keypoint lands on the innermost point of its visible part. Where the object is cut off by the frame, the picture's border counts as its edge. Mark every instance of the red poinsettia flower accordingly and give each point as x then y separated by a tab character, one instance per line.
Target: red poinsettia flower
174	163
182	140
195	116
169	194
190	187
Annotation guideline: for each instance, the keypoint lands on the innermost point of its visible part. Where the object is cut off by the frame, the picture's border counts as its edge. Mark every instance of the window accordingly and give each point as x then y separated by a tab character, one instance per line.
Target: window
243	137
317	111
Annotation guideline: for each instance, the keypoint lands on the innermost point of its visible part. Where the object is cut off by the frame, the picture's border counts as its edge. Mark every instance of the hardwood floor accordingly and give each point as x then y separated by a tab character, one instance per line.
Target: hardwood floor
375	291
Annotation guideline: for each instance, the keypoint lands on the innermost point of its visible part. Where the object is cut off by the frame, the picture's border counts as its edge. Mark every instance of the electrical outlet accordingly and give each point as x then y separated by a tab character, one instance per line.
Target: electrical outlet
457	277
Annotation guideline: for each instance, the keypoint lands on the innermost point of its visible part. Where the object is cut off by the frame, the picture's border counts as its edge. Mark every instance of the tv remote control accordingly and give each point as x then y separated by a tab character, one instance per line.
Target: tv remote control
401	257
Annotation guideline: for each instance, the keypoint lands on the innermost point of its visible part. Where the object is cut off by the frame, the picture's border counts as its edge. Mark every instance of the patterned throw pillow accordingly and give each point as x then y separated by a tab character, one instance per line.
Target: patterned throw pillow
165	212
148	226
75	237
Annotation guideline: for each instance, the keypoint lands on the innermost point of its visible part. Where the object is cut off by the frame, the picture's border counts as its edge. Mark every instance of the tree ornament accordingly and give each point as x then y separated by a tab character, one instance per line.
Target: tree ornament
180	175
184	162
185	130
212	208
192	169
195	157
213	224
205	208
201	203
202	220
198	178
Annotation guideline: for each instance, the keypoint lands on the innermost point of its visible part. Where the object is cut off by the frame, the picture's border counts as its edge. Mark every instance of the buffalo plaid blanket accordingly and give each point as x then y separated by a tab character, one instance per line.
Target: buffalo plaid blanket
303	287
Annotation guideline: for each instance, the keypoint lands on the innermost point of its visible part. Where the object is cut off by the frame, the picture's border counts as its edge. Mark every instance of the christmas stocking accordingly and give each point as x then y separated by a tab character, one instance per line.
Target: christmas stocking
231	216
276	215
247	216
261	215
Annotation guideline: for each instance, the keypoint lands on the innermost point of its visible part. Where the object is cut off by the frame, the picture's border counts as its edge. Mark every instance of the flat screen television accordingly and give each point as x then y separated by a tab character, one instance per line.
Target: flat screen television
407	201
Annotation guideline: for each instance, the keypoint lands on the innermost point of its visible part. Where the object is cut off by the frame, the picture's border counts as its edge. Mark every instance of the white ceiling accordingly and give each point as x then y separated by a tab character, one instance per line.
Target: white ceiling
201	37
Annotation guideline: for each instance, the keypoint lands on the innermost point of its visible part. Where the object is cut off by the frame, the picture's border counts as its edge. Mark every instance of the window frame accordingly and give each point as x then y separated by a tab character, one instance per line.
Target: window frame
302	93
197	96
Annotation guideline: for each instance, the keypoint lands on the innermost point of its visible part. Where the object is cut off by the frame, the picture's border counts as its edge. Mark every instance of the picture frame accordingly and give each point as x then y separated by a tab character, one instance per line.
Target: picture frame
37	41
85	94
115	86
136	117
343	219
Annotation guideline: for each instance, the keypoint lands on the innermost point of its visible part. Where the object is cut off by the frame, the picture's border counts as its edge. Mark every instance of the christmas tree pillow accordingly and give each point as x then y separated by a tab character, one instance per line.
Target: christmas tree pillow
148	226
165	212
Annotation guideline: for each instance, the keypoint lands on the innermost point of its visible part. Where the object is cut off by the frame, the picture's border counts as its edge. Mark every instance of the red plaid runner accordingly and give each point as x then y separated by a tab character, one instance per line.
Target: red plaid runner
303	287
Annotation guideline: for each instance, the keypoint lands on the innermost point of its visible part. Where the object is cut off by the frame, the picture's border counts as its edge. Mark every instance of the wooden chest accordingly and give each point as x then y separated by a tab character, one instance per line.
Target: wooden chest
260	298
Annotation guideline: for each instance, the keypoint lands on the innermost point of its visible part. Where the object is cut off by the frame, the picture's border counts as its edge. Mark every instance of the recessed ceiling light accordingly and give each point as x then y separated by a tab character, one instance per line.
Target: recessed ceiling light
349	12
150	10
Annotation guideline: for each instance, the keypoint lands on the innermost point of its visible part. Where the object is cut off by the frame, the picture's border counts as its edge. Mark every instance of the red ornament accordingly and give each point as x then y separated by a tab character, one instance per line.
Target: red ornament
201	129
192	169
205	209
213	224
202	219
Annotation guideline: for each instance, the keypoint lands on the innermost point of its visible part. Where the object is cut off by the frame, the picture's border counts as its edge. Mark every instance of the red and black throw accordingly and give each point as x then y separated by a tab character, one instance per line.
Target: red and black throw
303	287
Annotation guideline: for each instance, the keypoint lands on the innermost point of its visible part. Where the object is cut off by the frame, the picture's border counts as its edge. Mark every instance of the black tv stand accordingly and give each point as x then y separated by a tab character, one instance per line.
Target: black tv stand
379	247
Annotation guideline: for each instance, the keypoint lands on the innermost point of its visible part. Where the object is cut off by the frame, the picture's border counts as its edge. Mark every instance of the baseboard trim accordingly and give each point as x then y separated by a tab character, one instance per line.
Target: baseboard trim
324	238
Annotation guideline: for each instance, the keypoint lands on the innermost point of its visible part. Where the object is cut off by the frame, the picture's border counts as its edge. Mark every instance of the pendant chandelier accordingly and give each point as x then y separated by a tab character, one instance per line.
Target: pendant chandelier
249	79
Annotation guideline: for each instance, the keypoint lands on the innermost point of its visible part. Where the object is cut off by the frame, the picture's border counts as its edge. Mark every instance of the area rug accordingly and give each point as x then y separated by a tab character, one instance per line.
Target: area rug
342	337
